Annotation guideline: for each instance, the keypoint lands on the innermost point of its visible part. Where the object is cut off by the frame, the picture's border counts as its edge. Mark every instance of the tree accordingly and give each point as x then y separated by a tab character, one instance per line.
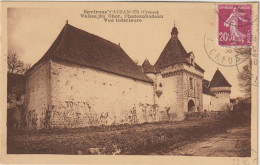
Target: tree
245	75
15	77
15	64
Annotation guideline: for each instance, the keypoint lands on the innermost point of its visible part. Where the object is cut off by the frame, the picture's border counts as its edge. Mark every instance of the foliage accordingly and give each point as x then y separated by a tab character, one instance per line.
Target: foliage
245	75
15	64
209	114
15	87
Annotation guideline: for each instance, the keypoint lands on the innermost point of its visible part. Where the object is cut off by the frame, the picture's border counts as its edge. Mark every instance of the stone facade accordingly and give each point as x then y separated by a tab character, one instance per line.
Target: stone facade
71	93
221	100
38	95
180	84
75	96
216	93
83	96
207	102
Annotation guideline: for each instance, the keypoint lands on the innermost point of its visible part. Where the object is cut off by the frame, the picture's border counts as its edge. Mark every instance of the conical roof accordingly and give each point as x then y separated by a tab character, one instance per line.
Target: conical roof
173	53
147	67
219	80
76	46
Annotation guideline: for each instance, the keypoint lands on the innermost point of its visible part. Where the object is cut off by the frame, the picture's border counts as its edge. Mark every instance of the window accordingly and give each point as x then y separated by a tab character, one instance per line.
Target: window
191	83
192	61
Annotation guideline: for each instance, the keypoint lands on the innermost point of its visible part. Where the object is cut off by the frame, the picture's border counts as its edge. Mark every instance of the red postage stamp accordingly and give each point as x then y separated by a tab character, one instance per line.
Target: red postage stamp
234	25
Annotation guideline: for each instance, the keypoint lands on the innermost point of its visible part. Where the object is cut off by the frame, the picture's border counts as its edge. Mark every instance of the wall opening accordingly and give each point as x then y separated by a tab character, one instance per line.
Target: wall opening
191	106
191	83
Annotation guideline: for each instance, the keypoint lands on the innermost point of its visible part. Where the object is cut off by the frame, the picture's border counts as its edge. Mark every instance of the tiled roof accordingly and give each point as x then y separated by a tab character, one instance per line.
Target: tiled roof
199	68
173	53
76	46
147	67
219	80
206	88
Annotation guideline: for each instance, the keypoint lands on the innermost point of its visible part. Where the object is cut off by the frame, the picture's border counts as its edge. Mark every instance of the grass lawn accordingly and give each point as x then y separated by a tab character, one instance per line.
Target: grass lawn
142	139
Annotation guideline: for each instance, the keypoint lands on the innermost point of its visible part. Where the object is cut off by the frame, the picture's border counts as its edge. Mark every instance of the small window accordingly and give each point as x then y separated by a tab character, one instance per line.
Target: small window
192	61
191	83
160	84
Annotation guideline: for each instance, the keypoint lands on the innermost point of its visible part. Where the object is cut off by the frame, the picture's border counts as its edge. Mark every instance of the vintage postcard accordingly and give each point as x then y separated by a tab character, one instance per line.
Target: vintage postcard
129	83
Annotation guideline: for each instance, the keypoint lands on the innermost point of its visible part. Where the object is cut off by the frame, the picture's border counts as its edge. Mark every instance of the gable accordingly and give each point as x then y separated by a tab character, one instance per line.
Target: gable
147	67
206	88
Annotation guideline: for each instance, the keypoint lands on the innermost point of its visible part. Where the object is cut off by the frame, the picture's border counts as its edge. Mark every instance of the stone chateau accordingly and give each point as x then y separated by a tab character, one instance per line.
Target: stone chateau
85	80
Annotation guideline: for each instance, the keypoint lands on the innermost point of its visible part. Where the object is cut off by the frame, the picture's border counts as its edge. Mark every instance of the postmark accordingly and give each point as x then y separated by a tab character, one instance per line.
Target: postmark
237	57
234	25
226	57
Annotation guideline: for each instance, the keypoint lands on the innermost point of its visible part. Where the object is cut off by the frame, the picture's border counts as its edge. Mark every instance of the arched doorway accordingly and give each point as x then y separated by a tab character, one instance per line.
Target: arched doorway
191	106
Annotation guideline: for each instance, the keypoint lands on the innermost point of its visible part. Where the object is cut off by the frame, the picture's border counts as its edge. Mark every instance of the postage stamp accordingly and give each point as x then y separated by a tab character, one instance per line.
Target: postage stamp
234	25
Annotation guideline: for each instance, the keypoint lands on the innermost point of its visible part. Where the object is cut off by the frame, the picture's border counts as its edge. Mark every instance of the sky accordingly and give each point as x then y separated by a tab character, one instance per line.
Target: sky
31	31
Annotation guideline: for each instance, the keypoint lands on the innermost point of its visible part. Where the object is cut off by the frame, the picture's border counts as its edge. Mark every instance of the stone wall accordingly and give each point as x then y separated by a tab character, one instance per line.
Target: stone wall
85	97
170	102
193	93
174	82
207	102
37	98
221	102
61	95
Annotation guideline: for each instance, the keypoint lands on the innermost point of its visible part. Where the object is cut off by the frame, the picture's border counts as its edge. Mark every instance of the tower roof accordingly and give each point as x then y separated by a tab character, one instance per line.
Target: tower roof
147	67
174	31
76	46
173	53
219	80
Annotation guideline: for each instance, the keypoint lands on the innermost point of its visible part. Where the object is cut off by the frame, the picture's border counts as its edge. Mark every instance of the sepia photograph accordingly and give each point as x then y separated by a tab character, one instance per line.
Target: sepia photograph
141	78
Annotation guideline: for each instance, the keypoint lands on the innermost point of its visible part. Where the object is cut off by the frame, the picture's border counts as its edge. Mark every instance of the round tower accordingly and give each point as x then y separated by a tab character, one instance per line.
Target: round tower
221	88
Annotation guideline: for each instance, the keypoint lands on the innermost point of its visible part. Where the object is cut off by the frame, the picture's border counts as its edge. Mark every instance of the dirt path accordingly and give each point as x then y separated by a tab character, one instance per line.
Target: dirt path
235	142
